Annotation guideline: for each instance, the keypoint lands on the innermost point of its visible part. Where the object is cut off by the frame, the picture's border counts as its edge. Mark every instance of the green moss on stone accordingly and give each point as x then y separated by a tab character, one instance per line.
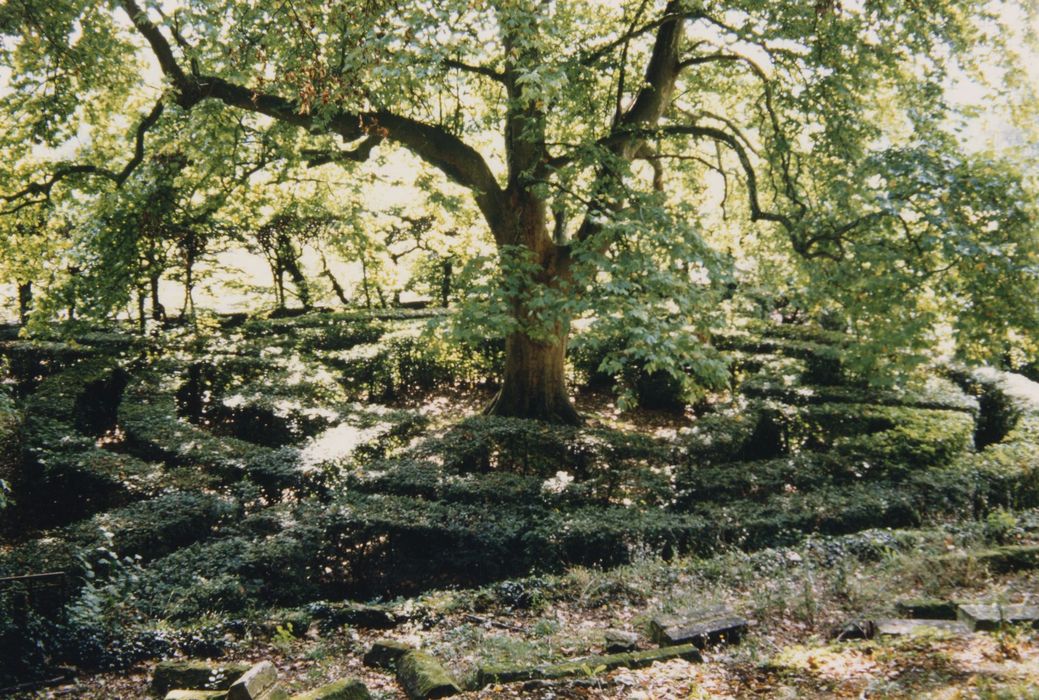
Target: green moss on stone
423	678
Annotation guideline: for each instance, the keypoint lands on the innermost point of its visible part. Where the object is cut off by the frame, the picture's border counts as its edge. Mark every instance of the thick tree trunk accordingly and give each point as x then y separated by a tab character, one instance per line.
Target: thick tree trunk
534	383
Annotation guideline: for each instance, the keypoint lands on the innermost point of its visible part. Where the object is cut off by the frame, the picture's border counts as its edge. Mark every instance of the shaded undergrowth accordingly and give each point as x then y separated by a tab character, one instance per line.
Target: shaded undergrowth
283	462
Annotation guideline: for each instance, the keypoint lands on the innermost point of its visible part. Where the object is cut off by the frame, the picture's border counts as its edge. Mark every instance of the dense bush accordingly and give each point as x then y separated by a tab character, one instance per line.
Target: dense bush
28	362
64	474
10	446
147	528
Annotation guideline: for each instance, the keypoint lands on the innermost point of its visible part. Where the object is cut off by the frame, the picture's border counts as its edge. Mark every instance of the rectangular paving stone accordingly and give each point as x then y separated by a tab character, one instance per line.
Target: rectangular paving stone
585	667
196	695
991	617
927	608
385	653
699	627
345	689
899	627
423	678
169	675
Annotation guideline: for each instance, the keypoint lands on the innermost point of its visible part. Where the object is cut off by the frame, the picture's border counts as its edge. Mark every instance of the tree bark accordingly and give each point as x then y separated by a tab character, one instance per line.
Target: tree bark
447	269
24	301
158	310
534	383
336	286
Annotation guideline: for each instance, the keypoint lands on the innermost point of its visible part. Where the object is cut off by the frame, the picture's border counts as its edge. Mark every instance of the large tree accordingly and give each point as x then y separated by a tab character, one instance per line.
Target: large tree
578	126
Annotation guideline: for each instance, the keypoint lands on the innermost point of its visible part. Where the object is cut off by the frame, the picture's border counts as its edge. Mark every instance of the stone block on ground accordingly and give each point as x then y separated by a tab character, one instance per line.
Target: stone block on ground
587	666
1000	560
344	689
992	617
422	677
620	641
196	695
255	684
903	627
376	617
203	675
1010	558
385	653
857	629
699	627
927	608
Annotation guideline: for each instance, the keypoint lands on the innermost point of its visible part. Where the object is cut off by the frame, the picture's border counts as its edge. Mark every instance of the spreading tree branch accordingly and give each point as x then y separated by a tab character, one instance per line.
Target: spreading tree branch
359	154
39	192
435	145
485	71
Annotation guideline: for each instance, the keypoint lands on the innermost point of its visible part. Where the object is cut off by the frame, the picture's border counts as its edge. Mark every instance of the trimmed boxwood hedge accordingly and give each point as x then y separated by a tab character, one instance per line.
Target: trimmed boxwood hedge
148	528
154	431
486	498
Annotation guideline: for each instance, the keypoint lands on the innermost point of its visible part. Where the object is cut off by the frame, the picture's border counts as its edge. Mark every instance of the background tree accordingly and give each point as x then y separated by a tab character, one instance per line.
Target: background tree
579	129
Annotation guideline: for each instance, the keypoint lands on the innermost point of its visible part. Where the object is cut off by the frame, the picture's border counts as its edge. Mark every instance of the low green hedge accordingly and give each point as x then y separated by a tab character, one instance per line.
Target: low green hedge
937	395
64	474
149	528
408	361
28	362
153	431
10	446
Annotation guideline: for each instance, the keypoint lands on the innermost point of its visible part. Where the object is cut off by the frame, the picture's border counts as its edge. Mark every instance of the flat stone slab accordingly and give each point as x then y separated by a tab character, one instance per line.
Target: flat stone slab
254	684
486	675
374	617
423	678
901	627
203	675
1001	560
992	617
1009	558
345	689
385	653
196	695
927	608
699	627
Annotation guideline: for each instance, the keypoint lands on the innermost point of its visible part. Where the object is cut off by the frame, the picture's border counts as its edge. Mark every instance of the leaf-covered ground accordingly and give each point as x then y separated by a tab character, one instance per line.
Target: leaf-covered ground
793	596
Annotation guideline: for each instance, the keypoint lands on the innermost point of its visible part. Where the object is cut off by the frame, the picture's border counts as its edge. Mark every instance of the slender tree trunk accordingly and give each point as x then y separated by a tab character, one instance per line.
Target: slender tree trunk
279	286
188	311
24	301
142	322
364	283
336	287
299	281
72	291
447	268
158	310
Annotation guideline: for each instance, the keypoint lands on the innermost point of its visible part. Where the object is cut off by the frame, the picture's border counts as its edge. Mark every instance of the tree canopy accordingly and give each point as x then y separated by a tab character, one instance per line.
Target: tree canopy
639	166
